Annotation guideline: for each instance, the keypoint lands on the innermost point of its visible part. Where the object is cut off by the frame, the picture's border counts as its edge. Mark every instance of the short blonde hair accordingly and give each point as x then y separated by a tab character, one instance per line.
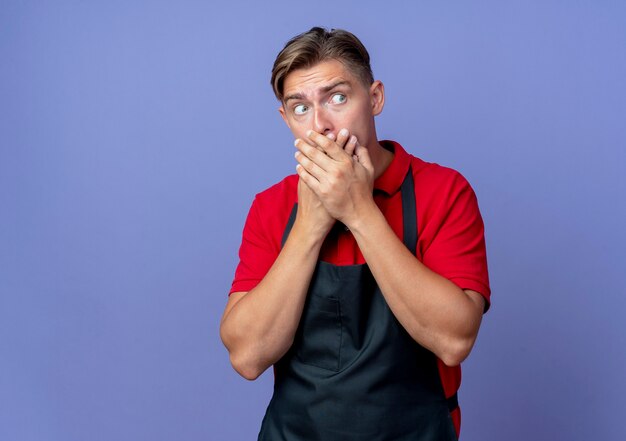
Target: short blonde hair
317	45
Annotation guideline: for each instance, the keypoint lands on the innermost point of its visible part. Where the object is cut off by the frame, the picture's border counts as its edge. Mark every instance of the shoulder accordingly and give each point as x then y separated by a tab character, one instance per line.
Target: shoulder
271	208
445	201
429	177
436	173
438	184
451	237
283	193
262	233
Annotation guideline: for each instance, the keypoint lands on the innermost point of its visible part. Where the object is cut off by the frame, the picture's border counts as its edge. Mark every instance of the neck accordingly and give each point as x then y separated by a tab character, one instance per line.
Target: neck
381	158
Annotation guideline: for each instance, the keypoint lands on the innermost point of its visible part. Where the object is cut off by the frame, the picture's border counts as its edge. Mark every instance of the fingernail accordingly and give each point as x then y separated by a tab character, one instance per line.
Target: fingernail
353	139
343	132
309	132
296	142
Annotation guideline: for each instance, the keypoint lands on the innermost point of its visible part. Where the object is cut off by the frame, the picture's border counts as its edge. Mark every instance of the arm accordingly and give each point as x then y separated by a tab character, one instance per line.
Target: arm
258	326
434	311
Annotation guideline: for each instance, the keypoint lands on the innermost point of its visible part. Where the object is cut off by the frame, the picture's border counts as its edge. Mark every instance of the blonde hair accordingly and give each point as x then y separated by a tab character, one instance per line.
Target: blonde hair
317	45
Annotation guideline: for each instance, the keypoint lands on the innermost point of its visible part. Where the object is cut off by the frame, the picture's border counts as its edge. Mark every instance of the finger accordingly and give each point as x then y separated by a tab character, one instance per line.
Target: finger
342	137
330	136
363	157
314	154
311	167
330	147
351	145
309	180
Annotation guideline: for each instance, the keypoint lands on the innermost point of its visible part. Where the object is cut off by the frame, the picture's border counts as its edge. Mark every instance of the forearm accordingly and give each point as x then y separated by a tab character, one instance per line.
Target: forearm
433	310
260	327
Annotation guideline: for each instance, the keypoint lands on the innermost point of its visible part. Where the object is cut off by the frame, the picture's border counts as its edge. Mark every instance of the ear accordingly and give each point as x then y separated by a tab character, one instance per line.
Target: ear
377	97
281	110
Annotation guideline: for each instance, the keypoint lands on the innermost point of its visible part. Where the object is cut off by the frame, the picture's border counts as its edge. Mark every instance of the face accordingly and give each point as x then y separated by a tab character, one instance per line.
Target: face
327	98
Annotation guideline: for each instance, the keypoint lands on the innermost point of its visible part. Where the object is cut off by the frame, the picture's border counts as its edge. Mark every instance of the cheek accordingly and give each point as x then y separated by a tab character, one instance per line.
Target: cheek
348	118
298	127
299	131
356	122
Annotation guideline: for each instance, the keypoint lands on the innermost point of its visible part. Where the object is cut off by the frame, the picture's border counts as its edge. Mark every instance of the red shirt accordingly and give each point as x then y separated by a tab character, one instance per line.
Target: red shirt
450	241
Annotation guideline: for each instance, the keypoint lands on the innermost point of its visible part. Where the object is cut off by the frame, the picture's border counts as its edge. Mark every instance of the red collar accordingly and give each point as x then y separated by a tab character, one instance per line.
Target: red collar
391	179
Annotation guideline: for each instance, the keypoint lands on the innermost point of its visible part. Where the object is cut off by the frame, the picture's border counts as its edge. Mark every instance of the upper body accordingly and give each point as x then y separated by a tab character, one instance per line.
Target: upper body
450	240
330	105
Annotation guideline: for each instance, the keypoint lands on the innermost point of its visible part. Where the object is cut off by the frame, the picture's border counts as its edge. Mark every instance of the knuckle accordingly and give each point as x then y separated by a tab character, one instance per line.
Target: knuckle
332	181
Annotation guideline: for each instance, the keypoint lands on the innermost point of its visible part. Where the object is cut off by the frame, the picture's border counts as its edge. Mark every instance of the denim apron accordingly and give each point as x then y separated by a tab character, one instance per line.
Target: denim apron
353	372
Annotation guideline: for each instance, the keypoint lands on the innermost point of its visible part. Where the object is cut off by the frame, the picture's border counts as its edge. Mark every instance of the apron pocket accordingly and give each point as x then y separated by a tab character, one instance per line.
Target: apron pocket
318	340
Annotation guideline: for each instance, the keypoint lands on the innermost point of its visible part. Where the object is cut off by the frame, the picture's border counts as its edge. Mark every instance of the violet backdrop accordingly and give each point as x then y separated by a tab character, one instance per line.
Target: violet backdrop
134	135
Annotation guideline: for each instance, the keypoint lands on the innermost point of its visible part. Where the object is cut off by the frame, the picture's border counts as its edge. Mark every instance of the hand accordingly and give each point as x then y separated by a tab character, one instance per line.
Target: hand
342	179
311	213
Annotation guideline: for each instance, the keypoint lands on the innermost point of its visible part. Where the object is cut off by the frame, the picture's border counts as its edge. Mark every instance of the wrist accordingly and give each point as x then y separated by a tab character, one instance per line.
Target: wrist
308	237
365	216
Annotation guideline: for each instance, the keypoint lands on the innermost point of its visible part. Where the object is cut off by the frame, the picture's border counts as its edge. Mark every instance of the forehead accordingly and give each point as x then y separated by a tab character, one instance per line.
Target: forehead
310	80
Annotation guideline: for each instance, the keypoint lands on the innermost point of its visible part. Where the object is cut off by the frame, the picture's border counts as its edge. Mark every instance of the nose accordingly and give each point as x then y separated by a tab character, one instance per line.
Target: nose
322	123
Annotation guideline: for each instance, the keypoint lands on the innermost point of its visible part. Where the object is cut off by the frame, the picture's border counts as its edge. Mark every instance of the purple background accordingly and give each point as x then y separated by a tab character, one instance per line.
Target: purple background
134	135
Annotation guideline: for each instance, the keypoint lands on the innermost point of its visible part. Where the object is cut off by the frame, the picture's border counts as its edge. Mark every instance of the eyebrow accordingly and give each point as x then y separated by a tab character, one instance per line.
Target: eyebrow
325	89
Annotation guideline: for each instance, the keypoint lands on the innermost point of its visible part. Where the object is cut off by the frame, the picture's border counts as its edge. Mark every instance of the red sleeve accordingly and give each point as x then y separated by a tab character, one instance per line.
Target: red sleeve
256	254
457	249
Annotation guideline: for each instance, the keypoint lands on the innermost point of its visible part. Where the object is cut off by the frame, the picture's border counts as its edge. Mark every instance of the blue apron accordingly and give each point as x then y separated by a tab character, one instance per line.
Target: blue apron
353	372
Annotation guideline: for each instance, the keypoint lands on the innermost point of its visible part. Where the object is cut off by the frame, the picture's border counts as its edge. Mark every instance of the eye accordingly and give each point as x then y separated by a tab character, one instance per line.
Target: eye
300	109
338	98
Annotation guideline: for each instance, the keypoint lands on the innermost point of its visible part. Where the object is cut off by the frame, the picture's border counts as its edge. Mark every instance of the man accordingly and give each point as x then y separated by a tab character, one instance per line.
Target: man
362	278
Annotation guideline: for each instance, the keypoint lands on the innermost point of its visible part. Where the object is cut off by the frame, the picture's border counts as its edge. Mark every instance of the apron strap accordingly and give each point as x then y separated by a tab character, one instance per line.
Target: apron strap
409	220
409	212
453	402
292	219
